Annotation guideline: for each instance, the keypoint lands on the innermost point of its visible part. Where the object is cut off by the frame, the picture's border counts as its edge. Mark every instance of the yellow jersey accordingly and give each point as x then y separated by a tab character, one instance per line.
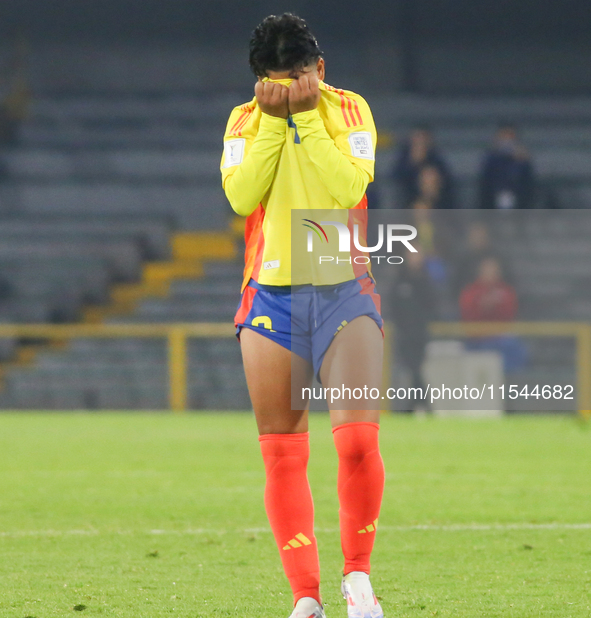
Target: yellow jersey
322	159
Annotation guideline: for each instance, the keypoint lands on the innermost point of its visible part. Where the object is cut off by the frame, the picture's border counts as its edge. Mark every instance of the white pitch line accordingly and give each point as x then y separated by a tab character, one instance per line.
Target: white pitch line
460	527
18	533
198	531
469	527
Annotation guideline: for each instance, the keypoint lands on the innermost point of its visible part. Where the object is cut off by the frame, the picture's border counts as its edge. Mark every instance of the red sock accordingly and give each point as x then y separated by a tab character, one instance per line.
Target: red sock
360	487
290	510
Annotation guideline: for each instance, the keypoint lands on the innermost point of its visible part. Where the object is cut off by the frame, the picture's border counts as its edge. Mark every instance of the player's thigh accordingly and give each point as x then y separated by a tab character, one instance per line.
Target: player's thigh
353	361
271	372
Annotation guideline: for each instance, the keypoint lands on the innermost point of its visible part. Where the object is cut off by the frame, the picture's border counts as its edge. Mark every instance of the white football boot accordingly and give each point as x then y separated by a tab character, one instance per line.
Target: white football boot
361	601
307	607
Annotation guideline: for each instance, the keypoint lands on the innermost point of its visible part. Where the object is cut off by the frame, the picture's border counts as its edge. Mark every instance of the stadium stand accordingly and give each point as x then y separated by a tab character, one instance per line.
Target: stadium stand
98	204
111	210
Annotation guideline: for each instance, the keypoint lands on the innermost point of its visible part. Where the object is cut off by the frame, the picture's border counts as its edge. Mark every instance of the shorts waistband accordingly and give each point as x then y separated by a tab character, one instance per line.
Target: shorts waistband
276	289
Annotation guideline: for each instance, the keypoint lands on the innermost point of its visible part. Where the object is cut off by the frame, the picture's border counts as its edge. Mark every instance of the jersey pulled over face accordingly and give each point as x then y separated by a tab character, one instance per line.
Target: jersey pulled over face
322	159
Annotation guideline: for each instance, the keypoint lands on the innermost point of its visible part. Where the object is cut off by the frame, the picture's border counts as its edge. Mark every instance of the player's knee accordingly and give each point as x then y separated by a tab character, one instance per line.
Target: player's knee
270	425
355	441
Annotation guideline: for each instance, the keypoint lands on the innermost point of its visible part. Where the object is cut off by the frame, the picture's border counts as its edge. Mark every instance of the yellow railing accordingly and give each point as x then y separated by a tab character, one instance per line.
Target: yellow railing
580	331
177	335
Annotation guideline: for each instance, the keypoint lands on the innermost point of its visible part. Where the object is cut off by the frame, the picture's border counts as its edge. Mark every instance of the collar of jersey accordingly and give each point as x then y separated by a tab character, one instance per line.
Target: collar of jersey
285	82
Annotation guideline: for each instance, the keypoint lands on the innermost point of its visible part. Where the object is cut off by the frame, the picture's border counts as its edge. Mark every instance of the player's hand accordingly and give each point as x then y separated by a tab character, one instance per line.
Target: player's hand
272	98
304	94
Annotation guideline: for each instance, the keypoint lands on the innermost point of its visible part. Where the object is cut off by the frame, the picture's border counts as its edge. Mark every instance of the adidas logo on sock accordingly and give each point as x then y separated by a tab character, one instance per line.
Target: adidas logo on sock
298	541
371	528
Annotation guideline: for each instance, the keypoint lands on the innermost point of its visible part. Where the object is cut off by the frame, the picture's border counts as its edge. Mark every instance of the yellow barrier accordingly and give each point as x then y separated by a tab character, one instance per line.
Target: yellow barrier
580	331
177	335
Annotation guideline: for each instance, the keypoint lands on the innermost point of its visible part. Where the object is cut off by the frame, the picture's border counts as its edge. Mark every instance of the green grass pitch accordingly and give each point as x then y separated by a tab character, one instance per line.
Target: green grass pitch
149	515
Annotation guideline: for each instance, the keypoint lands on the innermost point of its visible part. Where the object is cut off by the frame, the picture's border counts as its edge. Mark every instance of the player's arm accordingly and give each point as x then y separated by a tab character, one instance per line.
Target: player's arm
248	163
345	166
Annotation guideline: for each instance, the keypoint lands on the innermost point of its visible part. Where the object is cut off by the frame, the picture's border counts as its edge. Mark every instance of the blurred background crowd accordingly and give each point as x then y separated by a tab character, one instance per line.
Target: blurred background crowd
111	210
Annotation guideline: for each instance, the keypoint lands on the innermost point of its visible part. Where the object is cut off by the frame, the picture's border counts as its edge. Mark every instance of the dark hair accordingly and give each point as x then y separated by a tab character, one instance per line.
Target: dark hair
281	44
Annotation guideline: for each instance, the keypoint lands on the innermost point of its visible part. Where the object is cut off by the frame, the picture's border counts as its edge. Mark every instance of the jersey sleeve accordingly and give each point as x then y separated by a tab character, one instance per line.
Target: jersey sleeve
343	151
357	138
252	146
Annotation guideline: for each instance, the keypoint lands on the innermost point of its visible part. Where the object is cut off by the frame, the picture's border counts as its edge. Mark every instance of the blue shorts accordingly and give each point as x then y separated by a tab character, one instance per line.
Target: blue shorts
306	319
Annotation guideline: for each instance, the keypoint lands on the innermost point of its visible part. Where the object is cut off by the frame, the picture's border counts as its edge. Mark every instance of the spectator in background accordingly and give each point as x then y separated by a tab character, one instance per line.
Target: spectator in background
507	176
434	240
428	239
468	259
413	307
416	154
491	299
432	188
